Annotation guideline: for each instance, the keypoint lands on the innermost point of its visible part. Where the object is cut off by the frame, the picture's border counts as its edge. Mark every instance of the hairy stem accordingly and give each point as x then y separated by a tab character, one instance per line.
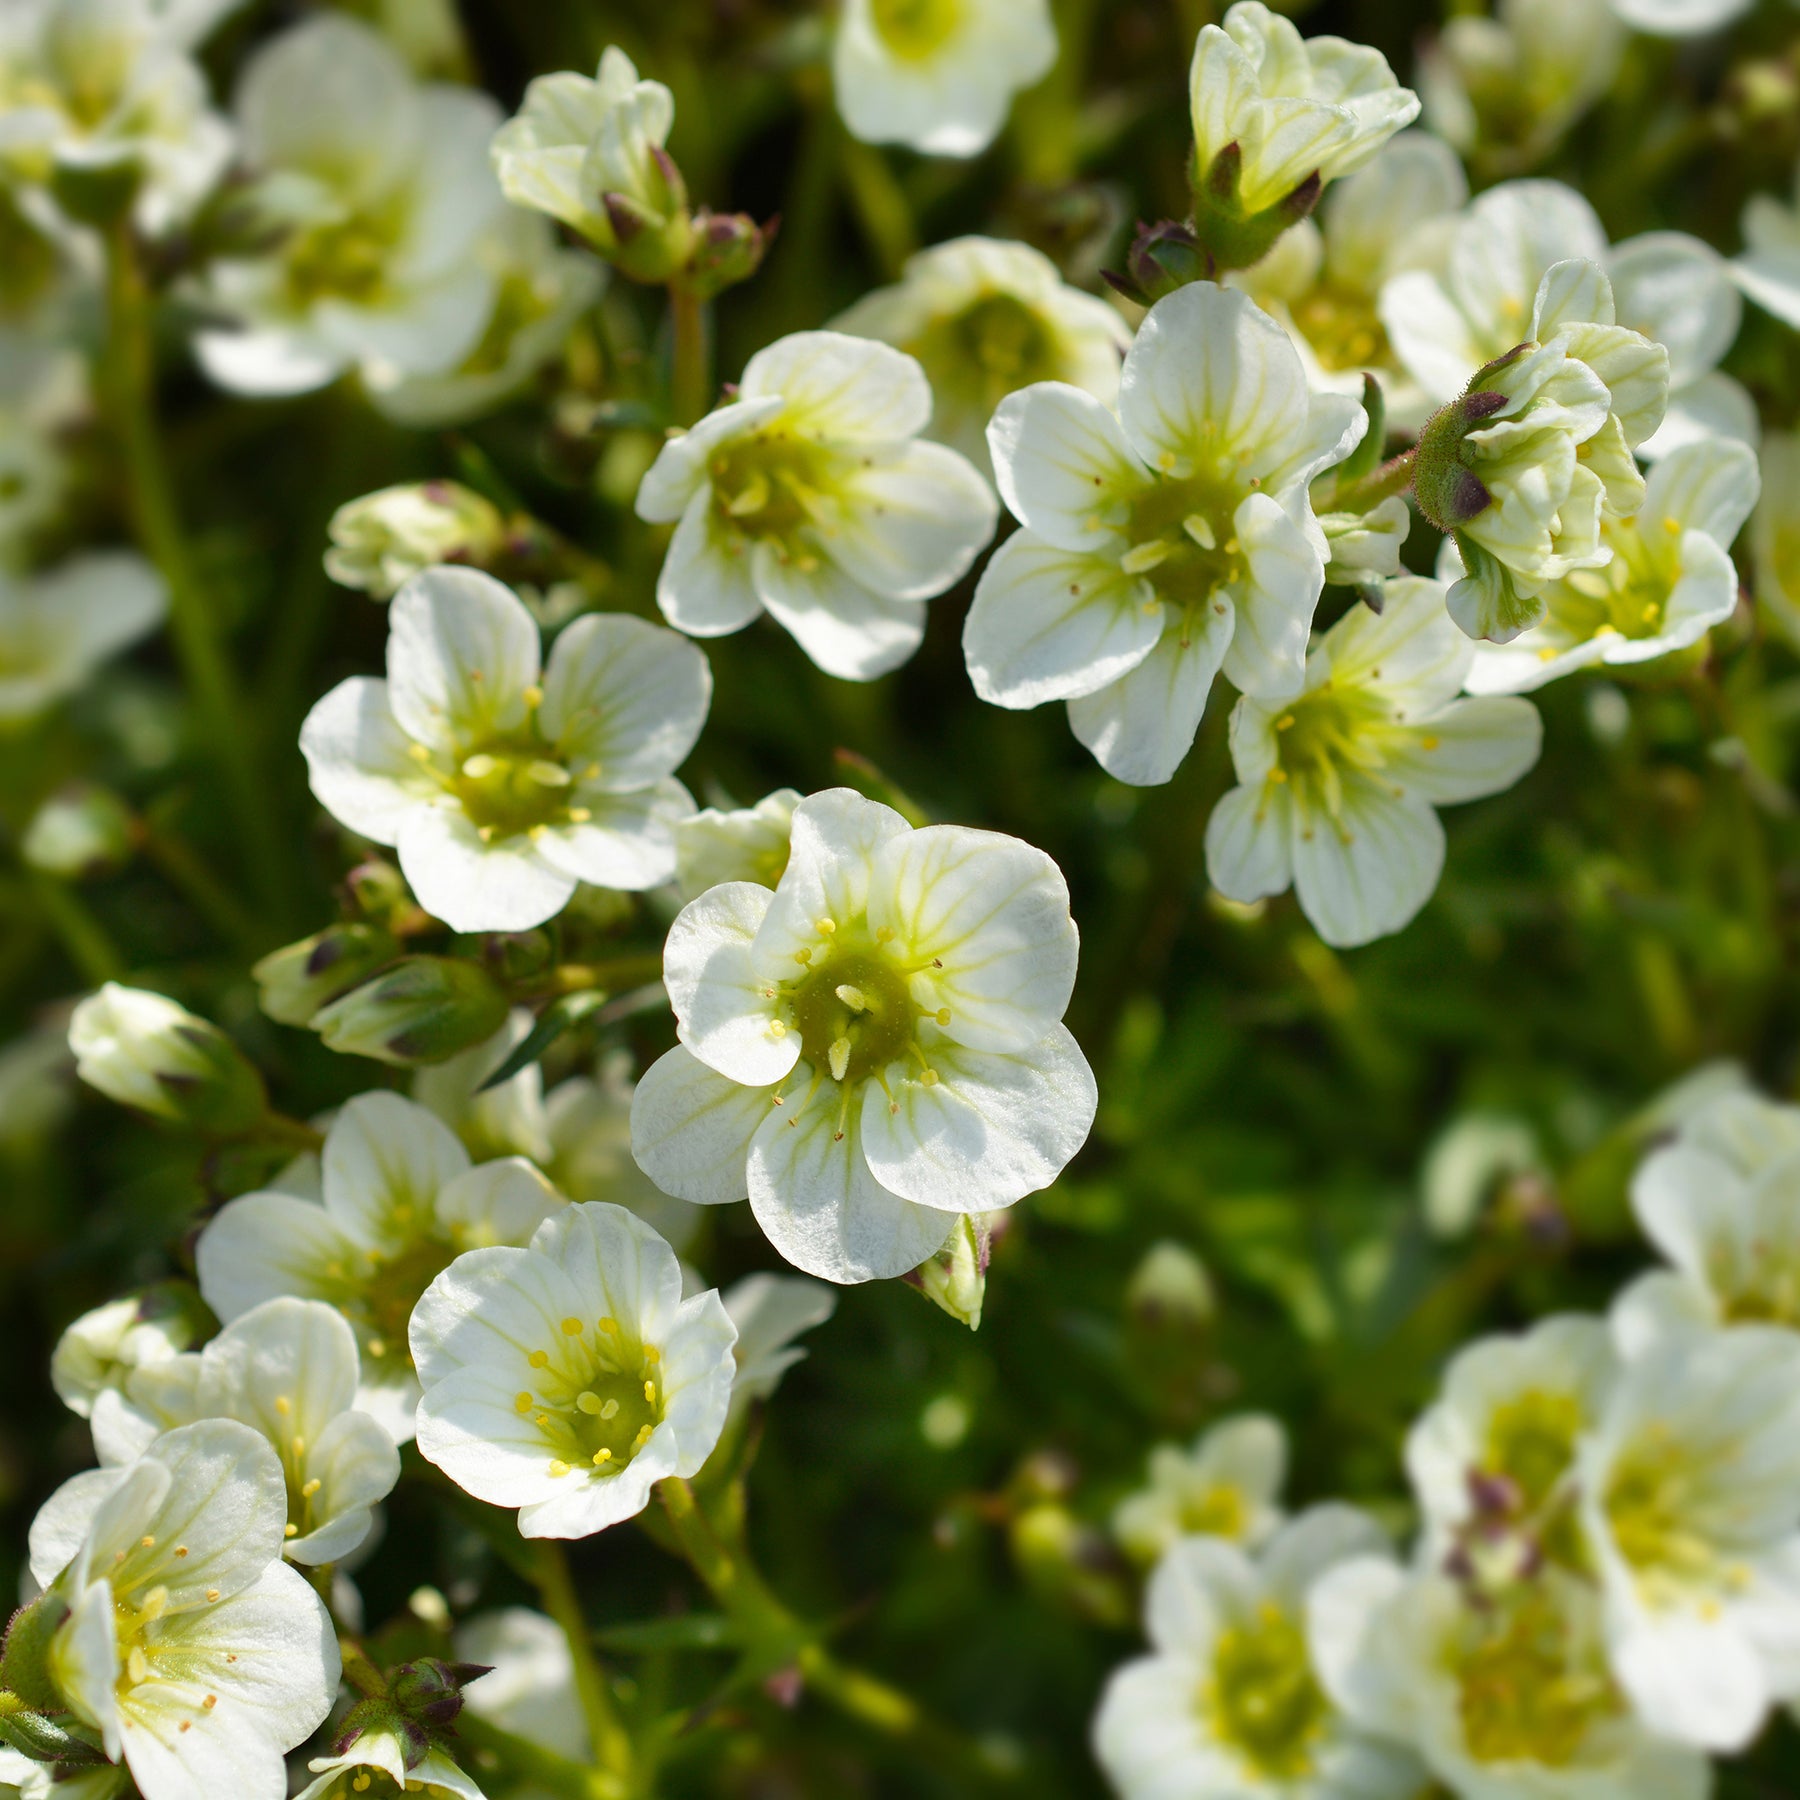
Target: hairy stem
690	380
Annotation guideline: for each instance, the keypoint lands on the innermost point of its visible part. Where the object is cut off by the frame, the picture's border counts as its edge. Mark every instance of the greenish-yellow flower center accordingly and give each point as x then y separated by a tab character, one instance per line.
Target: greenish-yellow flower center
1344	329
914	30
1262	1696
1531	1441
515	783
854	1011
1529	1691
1184	541
773	485
988	350
346	261
381	1304
1629	597
1649	1503
1762	1287
597	1395
1328	735
1216	1511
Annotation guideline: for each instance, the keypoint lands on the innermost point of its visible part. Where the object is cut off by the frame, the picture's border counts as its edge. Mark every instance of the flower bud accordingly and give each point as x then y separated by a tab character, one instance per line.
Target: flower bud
956	1278
1170	1289
1230	237
103	1348
146	1052
380	541
1448	491
518	956
728	248
429	1691
1162	258
379	890
297	980
81	832
422	1010
1072	1564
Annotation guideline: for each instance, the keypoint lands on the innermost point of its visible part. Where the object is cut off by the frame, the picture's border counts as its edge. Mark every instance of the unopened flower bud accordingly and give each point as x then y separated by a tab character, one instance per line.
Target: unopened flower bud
956	1278
1072	1564
422	1010
513	956
380	541
728	248
1171	1289
379	890
144	1051
80	832
297	980
1231	236
1448	491
1161	259
104	1348
430	1689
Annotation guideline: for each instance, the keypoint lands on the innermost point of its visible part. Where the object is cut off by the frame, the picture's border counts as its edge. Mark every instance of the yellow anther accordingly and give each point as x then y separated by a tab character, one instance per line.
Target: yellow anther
181	1550
1199	528
418	753
210	1702
480	766
942	1015
212	1593
485	833
299	1444
571	1327
650	1392
602	1455
652	1355
1672	526
825	926
777	1030
549	774
137	1665
853	997
541	1419
148	1543
1278	776
283	1405
537	832
579	815
930	1078
885	935
839	1058
588	1402
521	1404
534	695
803	957
609	1325
558	1469
1142	558
539	1359
293	1531
1285	722
1429	743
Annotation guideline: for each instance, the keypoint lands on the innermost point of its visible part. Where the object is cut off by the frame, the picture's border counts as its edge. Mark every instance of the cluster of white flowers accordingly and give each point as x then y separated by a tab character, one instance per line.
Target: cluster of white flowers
1603	1592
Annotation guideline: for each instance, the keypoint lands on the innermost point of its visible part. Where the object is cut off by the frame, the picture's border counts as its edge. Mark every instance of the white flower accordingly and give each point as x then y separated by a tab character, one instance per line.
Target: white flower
400	1202
1499	1447
937	75
540	291
567	1378
1769	270
1680	18
379	1751
93	87
1523	468
1509	86
1338	787
579	1133
748	844
100	1352
529	1689
986	317
144	1051
1228	1704
1323	280
1673	289
380	541
1722	1204
1227	1486
44	392
811	497
874	1049
1691	1507
1162	543
590	153
1510	1699
504	783
1293	107
289	1369
378	191
35	1096
56	629
1775	533
193	1649
768	1312
1670	581
23	1779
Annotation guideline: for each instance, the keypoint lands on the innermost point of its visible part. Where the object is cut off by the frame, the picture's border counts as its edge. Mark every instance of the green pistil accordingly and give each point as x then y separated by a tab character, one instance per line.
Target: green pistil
1264	1699
854	1012
596	1397
1184	541
771	486
916	29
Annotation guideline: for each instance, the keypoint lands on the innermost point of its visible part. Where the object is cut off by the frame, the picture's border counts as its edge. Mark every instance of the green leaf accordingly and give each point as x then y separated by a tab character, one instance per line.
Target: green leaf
555	1019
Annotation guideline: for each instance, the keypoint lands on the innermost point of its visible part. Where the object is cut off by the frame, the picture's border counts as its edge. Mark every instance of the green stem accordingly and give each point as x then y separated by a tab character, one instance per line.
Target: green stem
1393	477
880	204
129	378
531	1762
690	380
614	976
87	941
612	1744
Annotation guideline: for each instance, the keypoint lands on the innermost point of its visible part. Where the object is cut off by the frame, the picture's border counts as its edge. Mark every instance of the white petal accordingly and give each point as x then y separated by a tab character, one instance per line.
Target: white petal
705	587
1247	841
726	1014
62	1521
908	524
627	695
1141	727
1267	652
358	763
499	1202
851	390
679	476
500	886
814	1196
991	914
462	650
1711	486
1702	1683
618	1262
488	1312
691	1129
1471	749
846	630
992	1128
833	840
1374	876
385	1160
262	1245
626	842
1064	468
1677	290
357	1464
1051	624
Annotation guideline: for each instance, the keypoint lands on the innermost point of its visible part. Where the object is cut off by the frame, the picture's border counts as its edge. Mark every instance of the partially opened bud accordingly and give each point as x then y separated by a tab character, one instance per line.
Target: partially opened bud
81	832
956	1278
143	1050
422	1010
299	979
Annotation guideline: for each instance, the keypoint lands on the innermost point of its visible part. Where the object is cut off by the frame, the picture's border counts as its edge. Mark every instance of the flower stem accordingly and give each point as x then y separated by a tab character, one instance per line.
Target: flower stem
880	204
222	908
87	941
128	382
612	1743
1394	476
532	1762
690	380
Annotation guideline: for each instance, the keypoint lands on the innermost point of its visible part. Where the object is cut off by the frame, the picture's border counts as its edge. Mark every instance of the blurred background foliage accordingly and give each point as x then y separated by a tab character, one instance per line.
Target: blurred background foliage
1368	1158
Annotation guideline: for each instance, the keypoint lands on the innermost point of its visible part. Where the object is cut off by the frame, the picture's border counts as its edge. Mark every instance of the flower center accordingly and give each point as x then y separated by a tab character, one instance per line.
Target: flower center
916	29
1530	1692
1323	735
1762	1288
989	350
379	1300
854	1012
1531	1441
1628	598
1648	1501
517	784
597	1398
1344	329
1214	1512
772	485
1263	1698
347	261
